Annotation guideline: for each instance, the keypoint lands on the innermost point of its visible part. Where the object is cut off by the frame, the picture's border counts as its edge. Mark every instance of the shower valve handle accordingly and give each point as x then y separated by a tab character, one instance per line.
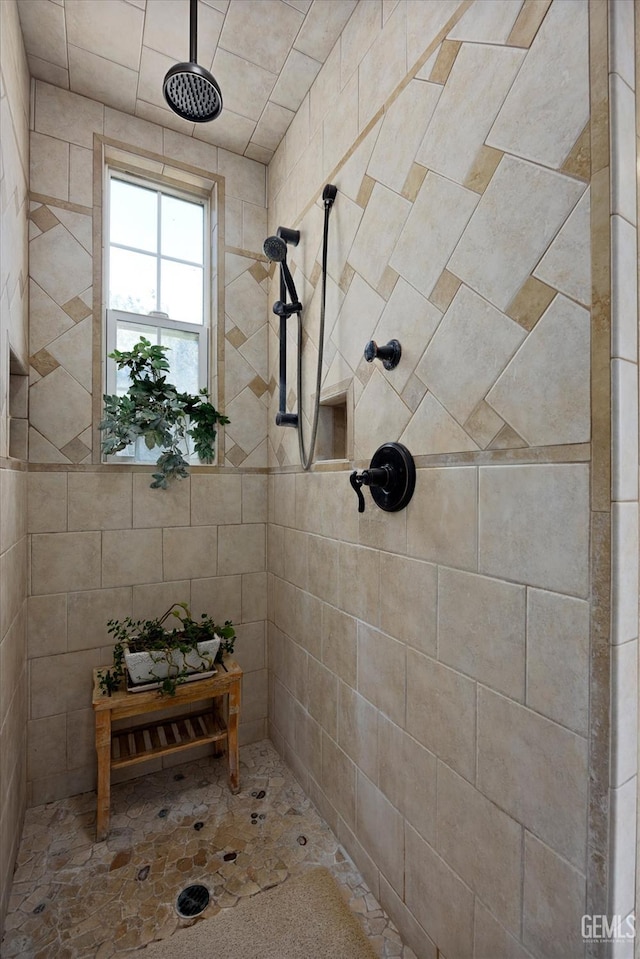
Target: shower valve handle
372	477
389	354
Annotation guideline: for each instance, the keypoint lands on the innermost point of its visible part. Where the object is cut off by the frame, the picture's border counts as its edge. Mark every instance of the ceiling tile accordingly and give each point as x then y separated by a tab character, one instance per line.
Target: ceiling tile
163	116
51	72
255	152
153	68
301	5
102	80
110	30
117	52
44	31
221	5
166	29
296	77
322	26
272	126
245	86
261	31
230	131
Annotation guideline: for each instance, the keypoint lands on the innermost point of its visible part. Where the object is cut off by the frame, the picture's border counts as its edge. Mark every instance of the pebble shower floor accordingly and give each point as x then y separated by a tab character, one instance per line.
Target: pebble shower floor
73	898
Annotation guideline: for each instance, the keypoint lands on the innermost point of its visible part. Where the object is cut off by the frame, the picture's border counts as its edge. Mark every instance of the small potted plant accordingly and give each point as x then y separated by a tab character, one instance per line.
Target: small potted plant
152	654
152	409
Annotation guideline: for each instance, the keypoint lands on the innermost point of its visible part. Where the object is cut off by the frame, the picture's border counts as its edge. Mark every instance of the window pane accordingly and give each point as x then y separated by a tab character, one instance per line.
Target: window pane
182	229
127	335
181	287
132	281
183	359
133	216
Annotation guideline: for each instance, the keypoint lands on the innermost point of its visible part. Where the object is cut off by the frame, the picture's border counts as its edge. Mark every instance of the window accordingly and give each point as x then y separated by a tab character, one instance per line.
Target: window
158	280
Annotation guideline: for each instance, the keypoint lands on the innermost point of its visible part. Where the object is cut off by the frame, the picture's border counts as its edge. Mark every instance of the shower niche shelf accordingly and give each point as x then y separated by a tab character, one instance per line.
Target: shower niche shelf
333	441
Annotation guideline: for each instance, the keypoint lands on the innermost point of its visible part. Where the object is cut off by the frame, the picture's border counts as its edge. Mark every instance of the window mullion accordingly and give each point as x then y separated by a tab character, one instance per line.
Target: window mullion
159	253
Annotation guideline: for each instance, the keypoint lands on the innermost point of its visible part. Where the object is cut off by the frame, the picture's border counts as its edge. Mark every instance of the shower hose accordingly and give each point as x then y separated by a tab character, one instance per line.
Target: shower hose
307	459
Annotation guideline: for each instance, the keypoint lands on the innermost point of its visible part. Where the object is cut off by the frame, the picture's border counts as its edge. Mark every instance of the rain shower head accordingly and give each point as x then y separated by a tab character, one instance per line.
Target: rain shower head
188	88
275	249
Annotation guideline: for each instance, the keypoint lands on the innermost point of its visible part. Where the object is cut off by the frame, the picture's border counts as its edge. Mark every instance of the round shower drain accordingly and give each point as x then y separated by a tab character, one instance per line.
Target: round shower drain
192	901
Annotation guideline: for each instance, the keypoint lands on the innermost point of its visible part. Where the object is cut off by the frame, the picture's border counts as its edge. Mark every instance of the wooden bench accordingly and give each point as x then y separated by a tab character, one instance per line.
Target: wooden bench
136	744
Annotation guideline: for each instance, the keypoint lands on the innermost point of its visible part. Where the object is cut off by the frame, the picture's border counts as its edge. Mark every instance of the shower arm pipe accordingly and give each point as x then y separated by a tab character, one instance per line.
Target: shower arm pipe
193	31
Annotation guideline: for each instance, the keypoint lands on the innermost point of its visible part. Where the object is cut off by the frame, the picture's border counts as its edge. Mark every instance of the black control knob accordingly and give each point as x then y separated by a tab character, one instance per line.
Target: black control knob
389	354
391	477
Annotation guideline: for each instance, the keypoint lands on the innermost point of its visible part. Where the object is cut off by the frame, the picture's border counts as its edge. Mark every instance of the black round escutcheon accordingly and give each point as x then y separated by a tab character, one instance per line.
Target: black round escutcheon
396	494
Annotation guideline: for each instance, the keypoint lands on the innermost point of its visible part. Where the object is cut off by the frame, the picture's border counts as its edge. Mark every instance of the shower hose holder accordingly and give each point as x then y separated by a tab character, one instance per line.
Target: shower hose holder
391	477
389	354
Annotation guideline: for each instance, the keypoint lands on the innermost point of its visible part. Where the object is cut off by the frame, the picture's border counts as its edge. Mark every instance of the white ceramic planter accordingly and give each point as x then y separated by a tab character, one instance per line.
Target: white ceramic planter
151	666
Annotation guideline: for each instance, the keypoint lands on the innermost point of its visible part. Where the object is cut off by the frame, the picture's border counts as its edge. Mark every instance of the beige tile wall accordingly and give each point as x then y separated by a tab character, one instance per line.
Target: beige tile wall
432	688
85	572
102	543
14	174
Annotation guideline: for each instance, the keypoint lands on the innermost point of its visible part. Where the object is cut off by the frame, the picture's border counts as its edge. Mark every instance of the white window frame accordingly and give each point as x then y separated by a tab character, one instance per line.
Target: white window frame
153	320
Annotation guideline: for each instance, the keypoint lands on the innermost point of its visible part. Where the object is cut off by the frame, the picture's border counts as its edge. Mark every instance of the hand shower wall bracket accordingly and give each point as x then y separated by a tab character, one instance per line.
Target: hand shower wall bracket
391	477
389	354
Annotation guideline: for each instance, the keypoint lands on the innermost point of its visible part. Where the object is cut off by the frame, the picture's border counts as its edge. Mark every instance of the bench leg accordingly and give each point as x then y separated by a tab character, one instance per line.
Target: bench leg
232	737
103	749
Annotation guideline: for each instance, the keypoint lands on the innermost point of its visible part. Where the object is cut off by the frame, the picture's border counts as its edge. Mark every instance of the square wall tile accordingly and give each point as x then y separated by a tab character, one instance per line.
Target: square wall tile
554	902
435	893
441	712
555	72
47	502
61	562
357	731
339	644
536	771
241	549
442	517
254	498
382	672
89	612
131	556
505	221
408	601
385	846
339	780
481	629
46	625
534	525
323	697
216	500
468	821
99	501
189	552
413	795
59	684
153	508
558	658
359	582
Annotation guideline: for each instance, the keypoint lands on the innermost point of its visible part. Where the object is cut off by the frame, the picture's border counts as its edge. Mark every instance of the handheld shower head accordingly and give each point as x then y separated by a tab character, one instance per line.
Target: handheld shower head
275	249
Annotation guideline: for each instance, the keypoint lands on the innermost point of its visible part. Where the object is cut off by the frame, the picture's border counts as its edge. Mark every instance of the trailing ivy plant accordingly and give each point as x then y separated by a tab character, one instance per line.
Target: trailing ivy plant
151	635
153	408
